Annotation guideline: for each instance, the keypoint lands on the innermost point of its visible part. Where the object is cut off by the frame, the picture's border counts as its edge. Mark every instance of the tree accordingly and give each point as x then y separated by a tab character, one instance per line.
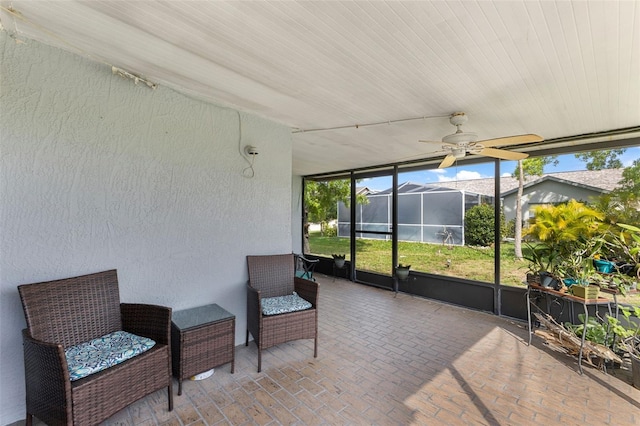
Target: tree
528	167
321	202
622	205
321	198
604	159
629	190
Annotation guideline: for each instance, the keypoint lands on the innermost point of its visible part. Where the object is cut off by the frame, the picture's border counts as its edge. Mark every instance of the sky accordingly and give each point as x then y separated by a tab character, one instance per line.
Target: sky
566	163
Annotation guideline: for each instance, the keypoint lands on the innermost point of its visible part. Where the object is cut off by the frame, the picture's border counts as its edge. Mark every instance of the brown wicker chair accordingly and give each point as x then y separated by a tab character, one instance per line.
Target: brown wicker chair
69	311
272	276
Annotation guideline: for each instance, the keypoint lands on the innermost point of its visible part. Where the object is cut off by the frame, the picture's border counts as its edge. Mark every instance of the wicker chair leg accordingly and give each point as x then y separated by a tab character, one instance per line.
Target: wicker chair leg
246	343
29	420
170	396
315	346
259	359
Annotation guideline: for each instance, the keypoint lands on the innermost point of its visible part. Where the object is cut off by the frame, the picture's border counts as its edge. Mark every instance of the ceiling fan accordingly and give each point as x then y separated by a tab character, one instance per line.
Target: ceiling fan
459	144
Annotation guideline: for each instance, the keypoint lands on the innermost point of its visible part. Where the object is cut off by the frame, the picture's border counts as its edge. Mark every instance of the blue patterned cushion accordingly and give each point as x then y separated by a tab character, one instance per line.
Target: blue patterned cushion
284	304
104	352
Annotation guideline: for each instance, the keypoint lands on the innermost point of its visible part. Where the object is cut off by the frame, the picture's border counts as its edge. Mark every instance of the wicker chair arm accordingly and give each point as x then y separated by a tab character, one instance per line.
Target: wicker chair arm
47	379
152	321
307	289
253	300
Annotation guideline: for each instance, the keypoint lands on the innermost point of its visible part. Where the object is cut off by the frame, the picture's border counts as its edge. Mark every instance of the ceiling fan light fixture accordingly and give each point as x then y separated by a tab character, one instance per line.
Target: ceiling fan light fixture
458	152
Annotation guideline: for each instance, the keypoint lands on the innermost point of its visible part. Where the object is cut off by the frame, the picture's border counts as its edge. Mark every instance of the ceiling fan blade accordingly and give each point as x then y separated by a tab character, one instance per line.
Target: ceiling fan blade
438	142
511	140
448	160
503	154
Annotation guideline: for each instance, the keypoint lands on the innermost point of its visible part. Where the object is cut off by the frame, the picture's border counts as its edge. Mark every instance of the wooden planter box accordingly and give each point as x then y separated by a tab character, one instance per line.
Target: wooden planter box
586	292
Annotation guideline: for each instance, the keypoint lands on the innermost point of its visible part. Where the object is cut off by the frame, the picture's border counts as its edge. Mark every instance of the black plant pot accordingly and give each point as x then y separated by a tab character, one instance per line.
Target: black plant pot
548	280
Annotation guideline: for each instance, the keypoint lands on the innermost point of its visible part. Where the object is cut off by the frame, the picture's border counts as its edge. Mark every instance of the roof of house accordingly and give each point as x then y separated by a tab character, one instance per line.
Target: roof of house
413	187
604	180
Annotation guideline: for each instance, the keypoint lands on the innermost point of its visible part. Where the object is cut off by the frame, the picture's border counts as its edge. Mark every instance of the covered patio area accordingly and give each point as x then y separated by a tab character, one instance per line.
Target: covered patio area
404	360
130	141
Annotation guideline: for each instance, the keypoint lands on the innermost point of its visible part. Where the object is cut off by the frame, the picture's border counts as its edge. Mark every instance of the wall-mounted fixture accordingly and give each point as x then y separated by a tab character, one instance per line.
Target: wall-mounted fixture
250	153
251	150
136	78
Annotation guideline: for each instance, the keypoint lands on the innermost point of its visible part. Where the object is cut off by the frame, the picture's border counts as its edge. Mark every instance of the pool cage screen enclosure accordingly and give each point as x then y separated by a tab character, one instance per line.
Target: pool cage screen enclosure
428	214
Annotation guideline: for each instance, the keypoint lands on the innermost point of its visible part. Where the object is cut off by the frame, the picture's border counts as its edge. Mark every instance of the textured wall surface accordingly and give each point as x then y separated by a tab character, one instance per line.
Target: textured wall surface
99	173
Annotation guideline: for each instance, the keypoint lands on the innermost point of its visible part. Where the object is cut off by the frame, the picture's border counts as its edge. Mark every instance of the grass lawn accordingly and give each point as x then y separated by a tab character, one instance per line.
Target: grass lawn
474	263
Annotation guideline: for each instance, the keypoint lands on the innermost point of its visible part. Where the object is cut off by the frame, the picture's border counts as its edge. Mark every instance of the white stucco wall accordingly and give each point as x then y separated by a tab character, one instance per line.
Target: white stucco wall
99	173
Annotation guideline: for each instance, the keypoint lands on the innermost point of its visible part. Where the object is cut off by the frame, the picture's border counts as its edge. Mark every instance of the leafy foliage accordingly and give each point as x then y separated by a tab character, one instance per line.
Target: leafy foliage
625	246
479	225
565	225
529	167
622	205
596	331
626	197
321	198
330	230
509	228
541	257
629	190
535	166
568	236
604	159
605	332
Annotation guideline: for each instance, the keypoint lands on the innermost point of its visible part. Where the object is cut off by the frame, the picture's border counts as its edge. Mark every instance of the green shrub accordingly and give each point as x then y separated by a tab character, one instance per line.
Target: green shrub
478	225
508	228
330	231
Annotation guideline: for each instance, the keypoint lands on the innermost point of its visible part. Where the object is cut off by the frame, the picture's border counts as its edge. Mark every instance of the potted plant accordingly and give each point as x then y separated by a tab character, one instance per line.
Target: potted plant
565	235
621	273
339	259
542	264
402	271
578	273
628	243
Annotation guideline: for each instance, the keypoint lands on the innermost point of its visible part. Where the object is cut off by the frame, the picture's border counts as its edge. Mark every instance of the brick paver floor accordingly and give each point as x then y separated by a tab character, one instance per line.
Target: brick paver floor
400	361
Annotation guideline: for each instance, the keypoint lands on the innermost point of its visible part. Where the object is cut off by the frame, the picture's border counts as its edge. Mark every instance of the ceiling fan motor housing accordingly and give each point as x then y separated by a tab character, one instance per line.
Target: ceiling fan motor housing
460	137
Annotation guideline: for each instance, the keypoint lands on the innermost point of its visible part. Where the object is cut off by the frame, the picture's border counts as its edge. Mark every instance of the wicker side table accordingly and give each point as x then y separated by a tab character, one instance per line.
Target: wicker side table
201	338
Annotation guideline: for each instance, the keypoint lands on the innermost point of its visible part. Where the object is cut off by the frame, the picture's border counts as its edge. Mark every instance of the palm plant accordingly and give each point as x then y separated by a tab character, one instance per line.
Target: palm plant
569	232
568	224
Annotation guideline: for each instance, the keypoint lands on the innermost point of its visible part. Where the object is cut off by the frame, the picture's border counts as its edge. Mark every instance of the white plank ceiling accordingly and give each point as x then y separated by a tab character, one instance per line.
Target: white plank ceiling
553	68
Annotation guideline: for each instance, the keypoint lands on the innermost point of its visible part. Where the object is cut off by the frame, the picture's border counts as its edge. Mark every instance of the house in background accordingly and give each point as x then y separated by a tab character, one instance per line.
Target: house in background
551	188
